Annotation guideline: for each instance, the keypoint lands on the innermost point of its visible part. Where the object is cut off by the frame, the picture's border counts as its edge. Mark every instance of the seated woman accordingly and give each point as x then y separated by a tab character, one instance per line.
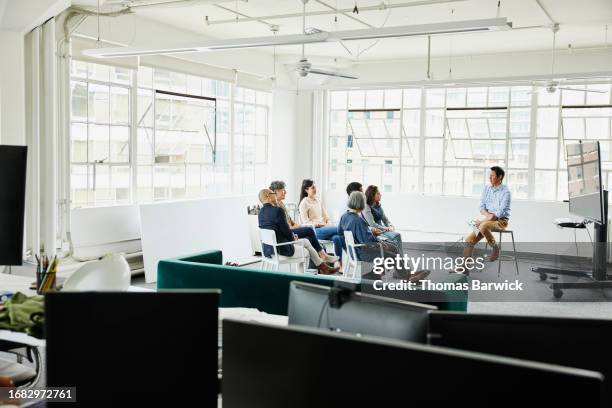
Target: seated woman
353	221
273	218
376	218
313	213
278	187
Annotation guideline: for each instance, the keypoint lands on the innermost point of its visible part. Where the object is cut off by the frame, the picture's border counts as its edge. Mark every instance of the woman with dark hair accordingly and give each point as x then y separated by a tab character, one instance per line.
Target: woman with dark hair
314	214
279	188
376	218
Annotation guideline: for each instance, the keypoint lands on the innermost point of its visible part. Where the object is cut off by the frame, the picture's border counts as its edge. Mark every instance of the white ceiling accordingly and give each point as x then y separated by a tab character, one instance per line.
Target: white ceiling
24	15
582	24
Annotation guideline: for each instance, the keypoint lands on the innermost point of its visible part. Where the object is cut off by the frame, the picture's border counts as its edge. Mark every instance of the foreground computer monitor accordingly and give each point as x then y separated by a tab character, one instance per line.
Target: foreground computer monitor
134	348
363	314
268	366
581	343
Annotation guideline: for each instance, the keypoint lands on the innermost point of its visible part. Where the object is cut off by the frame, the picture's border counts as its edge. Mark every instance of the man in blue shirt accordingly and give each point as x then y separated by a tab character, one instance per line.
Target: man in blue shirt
495	208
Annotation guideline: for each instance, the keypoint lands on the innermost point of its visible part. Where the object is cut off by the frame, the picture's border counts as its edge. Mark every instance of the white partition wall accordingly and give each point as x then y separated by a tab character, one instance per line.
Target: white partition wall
171	229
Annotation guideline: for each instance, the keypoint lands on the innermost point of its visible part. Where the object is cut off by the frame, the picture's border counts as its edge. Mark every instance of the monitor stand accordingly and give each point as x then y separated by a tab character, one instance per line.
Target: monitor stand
598	277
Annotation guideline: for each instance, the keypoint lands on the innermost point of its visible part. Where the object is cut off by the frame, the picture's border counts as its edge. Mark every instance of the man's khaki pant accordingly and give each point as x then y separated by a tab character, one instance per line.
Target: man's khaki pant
486	230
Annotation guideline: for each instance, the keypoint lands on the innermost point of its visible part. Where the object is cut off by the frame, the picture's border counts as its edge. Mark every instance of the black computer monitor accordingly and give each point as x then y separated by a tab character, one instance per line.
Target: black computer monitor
278	367
581	343
360	313
134	348
584	180
12	203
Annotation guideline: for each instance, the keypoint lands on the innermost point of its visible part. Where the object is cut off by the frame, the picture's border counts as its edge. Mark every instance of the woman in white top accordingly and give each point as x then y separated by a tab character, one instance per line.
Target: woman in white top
313	213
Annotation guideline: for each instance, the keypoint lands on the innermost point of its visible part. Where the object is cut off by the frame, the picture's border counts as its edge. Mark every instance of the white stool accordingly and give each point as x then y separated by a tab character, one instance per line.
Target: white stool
502	257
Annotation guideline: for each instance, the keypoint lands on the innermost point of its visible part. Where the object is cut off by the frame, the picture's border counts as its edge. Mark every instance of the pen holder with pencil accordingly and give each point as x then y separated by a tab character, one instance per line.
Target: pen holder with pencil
46	274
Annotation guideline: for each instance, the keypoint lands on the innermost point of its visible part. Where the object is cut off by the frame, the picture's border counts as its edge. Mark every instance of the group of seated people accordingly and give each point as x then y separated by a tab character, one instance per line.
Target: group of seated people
364	218
367	221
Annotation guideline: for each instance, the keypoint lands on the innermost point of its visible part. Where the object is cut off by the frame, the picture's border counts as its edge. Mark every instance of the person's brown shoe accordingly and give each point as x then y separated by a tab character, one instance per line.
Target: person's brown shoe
326	269
494	254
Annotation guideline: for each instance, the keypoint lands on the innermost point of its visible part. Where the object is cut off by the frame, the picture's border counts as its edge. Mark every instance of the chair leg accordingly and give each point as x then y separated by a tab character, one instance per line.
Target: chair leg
499	257
514	250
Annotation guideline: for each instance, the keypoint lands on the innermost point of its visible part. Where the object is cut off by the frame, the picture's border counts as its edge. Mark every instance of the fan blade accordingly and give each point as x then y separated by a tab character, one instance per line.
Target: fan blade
331	73
581	90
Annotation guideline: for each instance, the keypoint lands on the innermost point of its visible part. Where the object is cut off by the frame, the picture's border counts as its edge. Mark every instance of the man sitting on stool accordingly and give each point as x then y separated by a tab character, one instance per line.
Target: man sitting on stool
495	207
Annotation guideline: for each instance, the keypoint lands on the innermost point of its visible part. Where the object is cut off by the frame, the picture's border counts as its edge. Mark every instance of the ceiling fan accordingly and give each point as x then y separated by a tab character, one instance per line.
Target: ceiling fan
303	66
552	85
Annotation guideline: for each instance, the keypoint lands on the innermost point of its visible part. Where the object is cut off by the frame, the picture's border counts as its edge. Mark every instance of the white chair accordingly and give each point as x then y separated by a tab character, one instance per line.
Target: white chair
351	266
112	273
300	256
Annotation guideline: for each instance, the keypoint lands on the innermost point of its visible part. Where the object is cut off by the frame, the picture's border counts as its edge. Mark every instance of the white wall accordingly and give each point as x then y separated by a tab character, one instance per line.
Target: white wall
12	88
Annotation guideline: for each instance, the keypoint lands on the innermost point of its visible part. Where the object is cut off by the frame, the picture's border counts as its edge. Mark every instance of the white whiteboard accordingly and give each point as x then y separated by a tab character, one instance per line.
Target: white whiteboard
171	229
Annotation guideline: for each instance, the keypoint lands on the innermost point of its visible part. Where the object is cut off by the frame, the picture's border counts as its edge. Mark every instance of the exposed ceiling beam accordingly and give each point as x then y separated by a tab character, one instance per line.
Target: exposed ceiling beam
151	3
468	26
380	7
345	14
552	20
244	16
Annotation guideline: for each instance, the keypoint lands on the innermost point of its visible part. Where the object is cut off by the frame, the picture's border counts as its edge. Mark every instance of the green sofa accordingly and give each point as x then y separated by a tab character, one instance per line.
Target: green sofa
265	290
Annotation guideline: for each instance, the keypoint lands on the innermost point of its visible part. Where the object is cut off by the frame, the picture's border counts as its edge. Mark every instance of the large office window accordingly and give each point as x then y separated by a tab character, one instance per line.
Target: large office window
100	134
178	144
442	141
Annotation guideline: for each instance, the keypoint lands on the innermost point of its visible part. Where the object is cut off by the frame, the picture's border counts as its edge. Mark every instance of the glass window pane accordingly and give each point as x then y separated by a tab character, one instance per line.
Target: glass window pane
78	146
161	79
474	182
562	193
120	75
598	98
145	77
78	96
573	97
374	99
521	96
99	103
120	144
145	146
99	72
410	151
453	181
120	106
338	99
98	144
412	123
412	98
410	179
548	122
545	185
546	154
598	128
434	98
194	85
546	98
498	96
518	156
356	99
518	183
477	97
573	128
79	185
433	152
455	97
78	69
432	183
520	123
262	121
145	108
338	123
393	98
434	123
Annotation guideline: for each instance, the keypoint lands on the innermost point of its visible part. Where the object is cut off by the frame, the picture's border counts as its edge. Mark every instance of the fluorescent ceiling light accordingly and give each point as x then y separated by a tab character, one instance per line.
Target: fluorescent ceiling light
494	24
